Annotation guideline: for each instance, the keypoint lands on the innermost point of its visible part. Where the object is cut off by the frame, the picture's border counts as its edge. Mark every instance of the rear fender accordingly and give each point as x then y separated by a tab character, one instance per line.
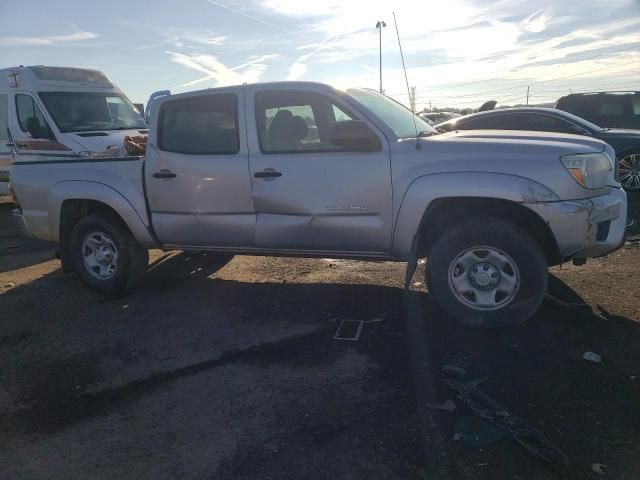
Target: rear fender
99	192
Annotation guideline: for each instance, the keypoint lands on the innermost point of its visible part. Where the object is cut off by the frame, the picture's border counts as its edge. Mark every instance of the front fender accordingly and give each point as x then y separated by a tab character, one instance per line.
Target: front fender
88	190
424	190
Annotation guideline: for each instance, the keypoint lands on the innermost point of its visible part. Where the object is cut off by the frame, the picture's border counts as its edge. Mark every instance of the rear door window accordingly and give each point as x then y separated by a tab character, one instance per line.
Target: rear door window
203	125
539	122
486	122
635	103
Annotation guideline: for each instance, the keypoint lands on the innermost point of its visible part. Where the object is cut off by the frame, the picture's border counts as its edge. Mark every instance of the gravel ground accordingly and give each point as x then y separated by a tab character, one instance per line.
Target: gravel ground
223	369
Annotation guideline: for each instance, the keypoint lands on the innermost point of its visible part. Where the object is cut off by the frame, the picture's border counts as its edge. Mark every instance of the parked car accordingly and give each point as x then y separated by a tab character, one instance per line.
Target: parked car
608	109
49	110
434	118
626	143
236	170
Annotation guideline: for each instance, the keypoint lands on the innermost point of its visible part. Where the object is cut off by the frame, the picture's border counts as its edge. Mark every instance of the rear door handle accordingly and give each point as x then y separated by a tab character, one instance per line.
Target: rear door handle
267	173
164	173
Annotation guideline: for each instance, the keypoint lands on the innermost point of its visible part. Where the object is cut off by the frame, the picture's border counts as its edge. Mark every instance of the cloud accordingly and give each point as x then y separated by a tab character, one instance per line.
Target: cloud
246	15
218	72
78	36
297	71
191	39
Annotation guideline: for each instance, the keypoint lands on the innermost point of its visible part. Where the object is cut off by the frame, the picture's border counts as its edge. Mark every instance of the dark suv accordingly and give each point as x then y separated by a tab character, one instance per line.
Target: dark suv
607	109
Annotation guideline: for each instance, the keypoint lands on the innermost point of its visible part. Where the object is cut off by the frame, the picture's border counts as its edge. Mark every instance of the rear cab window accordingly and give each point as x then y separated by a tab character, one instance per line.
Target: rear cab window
202	125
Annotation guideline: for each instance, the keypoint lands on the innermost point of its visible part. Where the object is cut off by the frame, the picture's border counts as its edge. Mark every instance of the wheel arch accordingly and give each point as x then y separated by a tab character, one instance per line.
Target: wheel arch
445	213
434	202
70	201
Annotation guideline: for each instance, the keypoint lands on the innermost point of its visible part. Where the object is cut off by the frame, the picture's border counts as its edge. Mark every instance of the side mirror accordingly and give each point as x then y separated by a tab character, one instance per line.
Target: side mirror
354	135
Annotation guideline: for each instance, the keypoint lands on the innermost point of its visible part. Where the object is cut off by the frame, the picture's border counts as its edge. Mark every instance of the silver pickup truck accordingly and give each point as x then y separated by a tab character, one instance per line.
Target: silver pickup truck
302	169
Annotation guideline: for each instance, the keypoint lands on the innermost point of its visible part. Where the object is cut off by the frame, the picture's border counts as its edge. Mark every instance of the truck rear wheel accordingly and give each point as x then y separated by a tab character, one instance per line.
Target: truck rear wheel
487	272
105	255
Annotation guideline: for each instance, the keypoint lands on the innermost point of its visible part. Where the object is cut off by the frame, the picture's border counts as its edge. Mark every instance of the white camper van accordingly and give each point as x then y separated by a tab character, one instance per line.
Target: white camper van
61	112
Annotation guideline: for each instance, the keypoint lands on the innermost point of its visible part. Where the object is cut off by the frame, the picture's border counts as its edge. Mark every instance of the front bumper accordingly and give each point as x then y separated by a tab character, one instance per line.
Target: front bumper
587	228
21	223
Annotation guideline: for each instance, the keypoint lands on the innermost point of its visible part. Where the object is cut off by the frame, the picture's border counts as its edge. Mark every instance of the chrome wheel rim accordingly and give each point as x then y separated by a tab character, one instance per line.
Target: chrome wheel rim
629	171
100	255
484	278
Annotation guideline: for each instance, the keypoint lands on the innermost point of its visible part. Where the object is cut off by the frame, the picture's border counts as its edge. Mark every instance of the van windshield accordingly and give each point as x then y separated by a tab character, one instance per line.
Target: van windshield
82	112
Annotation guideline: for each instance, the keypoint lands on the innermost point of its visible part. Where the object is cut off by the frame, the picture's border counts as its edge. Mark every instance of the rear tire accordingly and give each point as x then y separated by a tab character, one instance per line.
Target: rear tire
106	256
487	272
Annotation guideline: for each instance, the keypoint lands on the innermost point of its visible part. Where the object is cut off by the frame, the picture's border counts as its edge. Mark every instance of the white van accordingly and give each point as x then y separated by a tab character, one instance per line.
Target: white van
61	112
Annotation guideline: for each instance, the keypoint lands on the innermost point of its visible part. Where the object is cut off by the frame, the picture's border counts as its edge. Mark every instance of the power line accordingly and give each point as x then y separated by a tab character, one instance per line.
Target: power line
525	82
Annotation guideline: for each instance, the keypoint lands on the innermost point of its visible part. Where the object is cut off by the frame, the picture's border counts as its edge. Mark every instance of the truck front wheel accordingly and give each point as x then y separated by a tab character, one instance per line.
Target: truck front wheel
105	255
487	273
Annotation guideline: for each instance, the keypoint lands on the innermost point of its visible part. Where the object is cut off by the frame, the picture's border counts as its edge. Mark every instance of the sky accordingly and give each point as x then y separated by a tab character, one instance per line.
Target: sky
458	53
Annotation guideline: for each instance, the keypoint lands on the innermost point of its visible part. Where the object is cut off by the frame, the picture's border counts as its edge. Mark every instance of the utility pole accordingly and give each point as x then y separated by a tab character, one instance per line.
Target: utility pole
380	25
412	99
528	94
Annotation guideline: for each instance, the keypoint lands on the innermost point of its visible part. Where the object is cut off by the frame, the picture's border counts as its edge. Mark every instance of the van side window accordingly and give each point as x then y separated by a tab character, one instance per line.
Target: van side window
31	119
4	112
203	125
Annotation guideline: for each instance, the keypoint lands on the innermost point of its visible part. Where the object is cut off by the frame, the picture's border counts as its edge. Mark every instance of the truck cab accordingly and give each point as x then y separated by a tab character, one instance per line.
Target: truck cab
56	112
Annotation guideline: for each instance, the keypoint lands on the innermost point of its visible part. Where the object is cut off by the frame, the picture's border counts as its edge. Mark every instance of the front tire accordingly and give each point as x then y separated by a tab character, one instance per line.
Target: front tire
106	256
487	272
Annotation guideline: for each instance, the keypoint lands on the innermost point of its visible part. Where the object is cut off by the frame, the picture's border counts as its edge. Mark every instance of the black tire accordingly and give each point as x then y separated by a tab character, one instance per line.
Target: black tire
503	236
133	259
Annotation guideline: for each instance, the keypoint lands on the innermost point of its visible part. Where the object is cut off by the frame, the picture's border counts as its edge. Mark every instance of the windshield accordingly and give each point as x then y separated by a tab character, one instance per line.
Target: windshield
395	115
82	112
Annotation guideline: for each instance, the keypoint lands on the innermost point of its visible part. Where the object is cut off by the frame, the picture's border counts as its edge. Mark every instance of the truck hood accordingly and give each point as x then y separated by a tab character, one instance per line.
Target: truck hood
565	143
98	141
534	156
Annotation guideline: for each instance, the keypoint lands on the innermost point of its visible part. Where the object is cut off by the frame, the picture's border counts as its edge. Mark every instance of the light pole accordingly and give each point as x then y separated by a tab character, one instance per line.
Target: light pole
380	25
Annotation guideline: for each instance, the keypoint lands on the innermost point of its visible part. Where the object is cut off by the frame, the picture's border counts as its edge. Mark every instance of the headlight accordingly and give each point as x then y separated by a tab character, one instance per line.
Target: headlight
591	170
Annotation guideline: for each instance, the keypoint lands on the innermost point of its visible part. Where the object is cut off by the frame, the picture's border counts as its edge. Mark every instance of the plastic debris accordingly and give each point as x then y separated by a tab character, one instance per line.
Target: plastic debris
598	468
592	357
351	329
447	406
476	432
9	285
490	411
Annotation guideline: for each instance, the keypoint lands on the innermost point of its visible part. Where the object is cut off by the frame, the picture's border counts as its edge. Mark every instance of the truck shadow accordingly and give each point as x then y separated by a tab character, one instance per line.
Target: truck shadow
20	252
536	369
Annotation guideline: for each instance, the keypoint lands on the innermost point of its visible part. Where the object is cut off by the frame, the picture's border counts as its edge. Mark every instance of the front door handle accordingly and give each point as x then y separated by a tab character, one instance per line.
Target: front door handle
164	173
267	173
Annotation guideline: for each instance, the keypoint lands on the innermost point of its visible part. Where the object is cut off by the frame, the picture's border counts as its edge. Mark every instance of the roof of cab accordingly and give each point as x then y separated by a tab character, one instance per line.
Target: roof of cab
272	85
